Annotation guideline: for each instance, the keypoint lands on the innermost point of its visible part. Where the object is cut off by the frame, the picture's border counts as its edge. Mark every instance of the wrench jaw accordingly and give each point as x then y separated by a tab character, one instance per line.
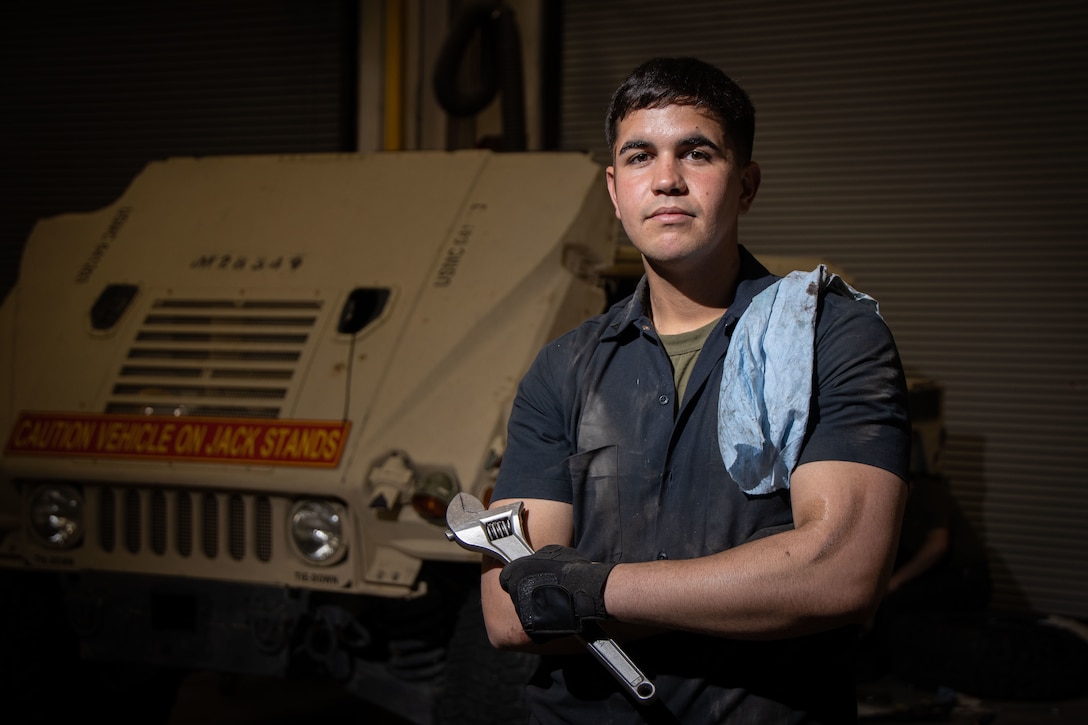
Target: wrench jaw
498	532
472	540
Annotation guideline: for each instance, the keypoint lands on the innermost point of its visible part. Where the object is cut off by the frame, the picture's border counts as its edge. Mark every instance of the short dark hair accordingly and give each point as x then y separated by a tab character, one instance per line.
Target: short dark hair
664	82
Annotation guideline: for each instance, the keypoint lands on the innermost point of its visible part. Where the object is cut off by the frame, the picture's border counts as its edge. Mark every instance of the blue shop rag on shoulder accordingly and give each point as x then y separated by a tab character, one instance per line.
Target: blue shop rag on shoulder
767	379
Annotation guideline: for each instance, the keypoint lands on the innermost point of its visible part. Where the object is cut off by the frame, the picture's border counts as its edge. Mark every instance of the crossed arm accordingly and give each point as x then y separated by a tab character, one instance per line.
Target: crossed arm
831	569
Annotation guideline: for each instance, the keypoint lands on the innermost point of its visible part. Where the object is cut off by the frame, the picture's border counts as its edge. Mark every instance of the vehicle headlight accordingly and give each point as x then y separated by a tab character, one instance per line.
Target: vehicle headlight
56	515
317	530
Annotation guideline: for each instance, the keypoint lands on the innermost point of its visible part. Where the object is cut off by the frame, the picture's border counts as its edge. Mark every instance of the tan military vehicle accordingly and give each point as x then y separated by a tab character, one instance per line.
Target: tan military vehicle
237	401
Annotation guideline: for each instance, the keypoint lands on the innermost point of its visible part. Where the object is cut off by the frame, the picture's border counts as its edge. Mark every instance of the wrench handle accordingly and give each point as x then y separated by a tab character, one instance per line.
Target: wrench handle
622	667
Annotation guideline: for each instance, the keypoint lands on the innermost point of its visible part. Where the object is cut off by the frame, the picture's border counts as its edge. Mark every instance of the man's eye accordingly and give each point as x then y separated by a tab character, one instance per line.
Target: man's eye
698	155
638	158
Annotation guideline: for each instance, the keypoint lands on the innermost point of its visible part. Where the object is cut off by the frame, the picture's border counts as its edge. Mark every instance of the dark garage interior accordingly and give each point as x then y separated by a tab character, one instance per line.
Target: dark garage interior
932	151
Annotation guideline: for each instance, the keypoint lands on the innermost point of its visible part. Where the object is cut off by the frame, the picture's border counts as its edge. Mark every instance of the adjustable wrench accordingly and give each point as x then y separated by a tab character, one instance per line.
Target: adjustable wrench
499	533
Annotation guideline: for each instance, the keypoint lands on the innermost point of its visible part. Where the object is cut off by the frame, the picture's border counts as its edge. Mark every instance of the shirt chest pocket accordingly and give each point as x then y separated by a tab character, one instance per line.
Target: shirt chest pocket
594	478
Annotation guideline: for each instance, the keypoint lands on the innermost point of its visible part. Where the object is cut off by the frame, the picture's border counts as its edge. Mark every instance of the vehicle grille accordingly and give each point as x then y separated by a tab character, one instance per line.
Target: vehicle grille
214	524
214	357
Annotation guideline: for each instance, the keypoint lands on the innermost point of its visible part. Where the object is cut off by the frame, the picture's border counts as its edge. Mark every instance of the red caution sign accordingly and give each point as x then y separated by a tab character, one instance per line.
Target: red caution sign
258	441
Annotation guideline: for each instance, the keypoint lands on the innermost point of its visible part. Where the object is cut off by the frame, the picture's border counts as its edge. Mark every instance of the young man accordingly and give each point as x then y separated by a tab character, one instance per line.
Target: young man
734	593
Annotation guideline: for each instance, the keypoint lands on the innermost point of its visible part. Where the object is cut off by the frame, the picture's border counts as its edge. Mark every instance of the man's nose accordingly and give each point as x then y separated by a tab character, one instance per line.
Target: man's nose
668	177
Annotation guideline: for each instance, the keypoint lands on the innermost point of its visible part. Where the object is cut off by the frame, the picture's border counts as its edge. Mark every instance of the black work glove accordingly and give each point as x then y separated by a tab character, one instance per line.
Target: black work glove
554	590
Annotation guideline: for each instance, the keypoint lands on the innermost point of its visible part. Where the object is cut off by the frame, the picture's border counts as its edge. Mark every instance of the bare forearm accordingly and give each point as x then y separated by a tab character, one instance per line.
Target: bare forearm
767	589
828	571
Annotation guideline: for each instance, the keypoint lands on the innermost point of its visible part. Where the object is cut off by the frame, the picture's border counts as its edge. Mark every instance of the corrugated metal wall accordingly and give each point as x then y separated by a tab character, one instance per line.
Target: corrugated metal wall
94	90
934	149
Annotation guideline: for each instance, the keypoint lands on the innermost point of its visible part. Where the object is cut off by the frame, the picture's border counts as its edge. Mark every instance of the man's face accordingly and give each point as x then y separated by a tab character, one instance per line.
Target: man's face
677	185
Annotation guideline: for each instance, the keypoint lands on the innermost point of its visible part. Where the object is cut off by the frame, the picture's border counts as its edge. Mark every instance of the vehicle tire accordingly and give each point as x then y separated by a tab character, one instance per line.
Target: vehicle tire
40	654
483	686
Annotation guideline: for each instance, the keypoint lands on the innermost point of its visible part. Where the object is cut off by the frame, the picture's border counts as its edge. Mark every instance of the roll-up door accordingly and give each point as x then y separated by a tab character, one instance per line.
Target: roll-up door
935	150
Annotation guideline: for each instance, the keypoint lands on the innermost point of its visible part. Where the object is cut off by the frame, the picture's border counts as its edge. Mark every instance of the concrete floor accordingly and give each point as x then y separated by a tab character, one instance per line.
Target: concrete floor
891	700
213	699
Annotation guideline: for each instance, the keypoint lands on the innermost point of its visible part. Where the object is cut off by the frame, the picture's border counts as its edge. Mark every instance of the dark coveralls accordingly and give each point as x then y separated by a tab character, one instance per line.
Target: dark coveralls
595	425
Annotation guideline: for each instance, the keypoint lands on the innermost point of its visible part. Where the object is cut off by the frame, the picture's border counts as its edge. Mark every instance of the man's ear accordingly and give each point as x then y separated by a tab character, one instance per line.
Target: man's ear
751	176
610	182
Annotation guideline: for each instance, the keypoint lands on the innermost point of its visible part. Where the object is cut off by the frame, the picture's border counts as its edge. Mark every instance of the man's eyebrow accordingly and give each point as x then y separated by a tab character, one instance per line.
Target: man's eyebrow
633	144
698	141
